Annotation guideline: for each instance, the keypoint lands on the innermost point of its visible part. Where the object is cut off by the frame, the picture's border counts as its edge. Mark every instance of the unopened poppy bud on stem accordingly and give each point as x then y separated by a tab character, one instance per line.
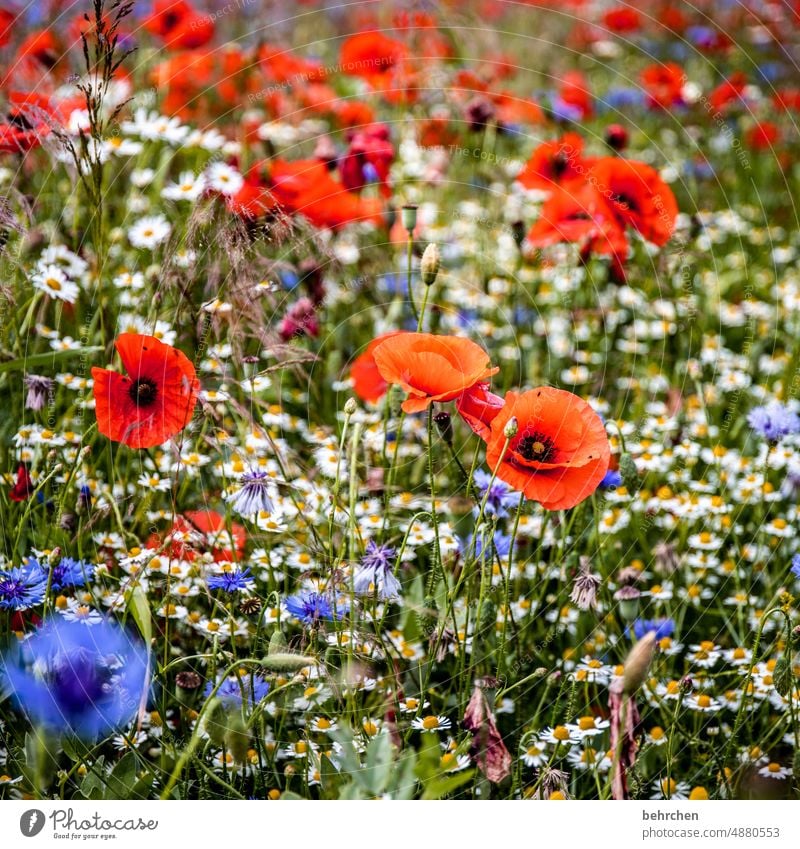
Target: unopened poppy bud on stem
511	428
638	662
409	217
430	264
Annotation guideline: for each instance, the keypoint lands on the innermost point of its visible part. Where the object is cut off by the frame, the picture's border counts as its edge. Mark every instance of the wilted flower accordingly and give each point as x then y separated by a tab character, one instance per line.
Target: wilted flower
584	591
38	391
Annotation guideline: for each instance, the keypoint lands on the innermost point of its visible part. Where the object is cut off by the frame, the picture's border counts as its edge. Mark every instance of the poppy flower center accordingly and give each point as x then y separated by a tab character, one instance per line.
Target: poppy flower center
143	392
626	201
17	119
536	447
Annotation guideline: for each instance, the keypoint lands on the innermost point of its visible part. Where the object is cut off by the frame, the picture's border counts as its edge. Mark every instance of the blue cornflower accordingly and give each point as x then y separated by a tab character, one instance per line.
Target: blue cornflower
253	496
310	607
485	548
77	680
23	586
500	498
796	565
231	582
233	691
71	573
662	627
774	421
375	575
611	480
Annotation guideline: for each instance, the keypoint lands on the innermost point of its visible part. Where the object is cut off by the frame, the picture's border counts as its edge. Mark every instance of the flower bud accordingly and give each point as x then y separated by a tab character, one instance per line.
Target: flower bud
629	473
511	429
445	426
637	663
351	405
616	137
628	598
429	266
409	217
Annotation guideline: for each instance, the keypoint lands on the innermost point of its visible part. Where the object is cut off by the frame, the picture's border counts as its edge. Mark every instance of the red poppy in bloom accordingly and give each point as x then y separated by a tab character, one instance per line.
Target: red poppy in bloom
431	368
179	24
638	195
560	452
154	401
762	136
368	383
664	84
728	92
6	20
575	93
554	163
622	19
23	486
371	54
581	215
197	531
368	159
26	122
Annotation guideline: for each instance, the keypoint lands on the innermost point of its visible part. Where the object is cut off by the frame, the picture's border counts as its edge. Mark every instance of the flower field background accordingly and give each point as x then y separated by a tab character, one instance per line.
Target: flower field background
399	400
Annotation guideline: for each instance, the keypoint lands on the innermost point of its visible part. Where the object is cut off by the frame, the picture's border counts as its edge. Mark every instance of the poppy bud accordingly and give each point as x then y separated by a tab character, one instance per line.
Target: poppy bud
511	428
637	663
429	264
782	676
409	217
616	137
628	598
215	723
237	739
445	426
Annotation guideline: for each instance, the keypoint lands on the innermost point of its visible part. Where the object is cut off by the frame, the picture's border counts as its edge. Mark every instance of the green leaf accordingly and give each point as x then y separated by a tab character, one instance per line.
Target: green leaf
140	610
46	358
439	787
378	767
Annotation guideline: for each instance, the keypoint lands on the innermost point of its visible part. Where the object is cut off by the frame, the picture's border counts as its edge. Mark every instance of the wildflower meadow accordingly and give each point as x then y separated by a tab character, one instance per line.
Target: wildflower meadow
399	400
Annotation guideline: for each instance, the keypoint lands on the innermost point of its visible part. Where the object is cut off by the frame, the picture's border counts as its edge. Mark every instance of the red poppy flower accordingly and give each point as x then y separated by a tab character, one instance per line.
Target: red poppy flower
23	486
179	24
580	215
431	368
281	65
762	136
575	93
622	19
368	383
729	91
478	407
185	544
154	401
368	159
26	122
664	84
371	54
638	195
560	452
7	18
554	163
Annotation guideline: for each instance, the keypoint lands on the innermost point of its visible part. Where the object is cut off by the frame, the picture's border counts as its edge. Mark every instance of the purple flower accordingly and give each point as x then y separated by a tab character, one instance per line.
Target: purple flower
234	581
38	391
253	496
500	498
233	691
796	565
375	575
71	573
310	607
774	421
77	680
23	586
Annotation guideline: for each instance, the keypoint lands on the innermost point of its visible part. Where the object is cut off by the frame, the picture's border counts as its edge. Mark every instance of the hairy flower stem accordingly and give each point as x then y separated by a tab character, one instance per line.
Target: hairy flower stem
502	660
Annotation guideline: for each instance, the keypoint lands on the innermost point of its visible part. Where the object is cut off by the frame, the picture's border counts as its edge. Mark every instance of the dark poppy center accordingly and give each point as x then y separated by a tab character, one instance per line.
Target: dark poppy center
536	447
626	201
17	119
559	164
143	392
